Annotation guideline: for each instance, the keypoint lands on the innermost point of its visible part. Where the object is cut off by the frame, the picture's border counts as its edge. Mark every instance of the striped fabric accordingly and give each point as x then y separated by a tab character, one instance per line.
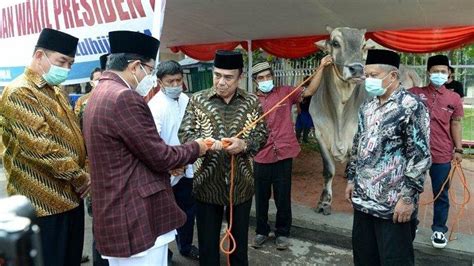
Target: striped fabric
207	115
259	67
45	153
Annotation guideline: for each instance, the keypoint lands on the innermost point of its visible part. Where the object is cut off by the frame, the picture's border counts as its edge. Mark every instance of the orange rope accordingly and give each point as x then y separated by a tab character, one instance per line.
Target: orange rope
228	235
456	168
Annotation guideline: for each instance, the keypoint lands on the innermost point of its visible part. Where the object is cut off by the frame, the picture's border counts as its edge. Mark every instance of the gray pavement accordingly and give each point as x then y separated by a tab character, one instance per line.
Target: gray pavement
301	252
317	240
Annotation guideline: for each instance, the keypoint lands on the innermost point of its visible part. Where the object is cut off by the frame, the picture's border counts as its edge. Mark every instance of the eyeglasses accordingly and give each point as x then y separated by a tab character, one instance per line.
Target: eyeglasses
152	68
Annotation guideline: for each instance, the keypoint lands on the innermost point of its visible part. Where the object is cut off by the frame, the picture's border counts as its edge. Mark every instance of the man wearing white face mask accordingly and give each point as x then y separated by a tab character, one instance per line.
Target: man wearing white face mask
390	156
168	107
446	111
273	163
45	153
134	210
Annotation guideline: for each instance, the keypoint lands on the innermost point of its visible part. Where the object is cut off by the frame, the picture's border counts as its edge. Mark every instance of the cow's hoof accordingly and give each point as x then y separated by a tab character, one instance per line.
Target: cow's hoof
319	208
326	210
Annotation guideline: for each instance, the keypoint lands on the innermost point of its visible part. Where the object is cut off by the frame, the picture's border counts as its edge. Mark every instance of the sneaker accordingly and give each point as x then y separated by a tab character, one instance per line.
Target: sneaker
282	242
259	240
439	240
193	253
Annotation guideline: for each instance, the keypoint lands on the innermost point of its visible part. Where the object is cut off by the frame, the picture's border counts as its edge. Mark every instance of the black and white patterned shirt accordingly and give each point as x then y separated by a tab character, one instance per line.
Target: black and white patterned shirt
390	154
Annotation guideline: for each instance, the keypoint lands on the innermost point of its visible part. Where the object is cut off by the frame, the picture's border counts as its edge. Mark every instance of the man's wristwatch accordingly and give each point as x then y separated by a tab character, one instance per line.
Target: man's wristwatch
460	151
407	200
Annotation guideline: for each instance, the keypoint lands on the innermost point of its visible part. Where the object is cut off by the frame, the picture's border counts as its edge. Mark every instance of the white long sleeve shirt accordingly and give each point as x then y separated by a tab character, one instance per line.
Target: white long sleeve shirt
168	114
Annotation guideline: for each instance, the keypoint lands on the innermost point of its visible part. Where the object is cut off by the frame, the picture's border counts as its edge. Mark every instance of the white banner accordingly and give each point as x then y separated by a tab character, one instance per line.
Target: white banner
21	21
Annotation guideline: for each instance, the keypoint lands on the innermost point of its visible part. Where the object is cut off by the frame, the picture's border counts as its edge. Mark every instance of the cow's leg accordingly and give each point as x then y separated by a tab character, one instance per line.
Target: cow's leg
329	170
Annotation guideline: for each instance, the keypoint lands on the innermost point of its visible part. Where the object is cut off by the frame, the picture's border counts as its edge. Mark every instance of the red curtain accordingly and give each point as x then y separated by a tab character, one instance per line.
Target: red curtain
290	47
424	40
204	52
414	41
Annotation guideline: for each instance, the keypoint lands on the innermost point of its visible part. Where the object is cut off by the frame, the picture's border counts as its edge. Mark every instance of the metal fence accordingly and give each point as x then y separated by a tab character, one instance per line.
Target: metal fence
287	73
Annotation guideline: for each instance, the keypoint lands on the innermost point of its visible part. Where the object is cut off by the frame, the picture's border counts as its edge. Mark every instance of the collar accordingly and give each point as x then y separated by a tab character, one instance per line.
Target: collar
36	78
211	93
441	90
396	94
393	97
109	75
161	94
262	94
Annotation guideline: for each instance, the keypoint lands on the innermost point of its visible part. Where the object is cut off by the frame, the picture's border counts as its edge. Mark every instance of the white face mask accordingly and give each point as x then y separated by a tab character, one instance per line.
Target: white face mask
94	83
173	92
146	84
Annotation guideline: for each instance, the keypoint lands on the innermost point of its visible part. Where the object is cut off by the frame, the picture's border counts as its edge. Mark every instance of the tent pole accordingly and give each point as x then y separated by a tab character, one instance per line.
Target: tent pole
249	72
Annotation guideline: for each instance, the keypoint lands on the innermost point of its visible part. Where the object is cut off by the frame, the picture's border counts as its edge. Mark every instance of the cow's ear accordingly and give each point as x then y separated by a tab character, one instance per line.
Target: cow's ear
363	31
369	47
369	44
322	45
329	28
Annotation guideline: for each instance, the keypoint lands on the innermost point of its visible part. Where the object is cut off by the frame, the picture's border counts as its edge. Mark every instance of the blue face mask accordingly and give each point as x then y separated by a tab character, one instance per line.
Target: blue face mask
373	86
173	92
265	86
438	79
56	75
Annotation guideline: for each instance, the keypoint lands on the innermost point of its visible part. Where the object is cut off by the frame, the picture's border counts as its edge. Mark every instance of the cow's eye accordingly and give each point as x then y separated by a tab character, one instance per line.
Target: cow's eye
335	44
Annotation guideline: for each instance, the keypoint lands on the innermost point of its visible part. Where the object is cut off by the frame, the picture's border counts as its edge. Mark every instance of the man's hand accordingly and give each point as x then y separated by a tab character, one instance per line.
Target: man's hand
403	211
316	80
216	144
348	192
84	190
457	157
177	172
202	147
326	61
236	145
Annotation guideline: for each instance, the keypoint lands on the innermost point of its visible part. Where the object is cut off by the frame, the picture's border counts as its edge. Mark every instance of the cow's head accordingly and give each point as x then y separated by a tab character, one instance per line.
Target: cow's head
347	48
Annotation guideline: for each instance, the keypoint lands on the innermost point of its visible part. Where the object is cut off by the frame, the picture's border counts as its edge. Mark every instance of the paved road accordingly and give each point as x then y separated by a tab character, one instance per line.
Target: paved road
301	252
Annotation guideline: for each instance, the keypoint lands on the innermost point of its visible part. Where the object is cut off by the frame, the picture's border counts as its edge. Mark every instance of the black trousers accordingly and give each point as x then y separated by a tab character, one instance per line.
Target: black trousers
377	241
209	223
277	176
302	131
185	200
62	237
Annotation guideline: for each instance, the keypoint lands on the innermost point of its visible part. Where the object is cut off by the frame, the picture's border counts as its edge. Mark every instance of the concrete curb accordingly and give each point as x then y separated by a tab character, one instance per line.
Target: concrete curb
336	229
